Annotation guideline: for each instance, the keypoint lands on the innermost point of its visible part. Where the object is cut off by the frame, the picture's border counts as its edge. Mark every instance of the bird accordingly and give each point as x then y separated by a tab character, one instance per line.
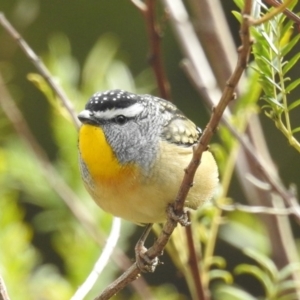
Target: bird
133	150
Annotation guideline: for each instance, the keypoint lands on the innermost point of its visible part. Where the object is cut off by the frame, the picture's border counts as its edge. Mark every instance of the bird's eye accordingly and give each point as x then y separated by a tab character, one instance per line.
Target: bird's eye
121	120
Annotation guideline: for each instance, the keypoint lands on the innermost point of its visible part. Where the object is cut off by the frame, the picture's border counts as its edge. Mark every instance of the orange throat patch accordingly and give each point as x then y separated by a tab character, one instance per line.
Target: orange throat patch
99	157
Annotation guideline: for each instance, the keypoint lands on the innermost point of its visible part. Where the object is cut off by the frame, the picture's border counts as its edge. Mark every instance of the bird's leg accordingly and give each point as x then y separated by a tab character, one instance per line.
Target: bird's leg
182	218
144	263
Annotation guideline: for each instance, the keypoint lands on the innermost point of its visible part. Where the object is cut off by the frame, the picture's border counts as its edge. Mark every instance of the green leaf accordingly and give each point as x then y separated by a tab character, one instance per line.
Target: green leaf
259	274
287	27
291	63
239	3
237	15
273	64
266	86
265	66
264	261
292	85
270	42
227	292
217	261
256	68
256	35
241	233
266	106
290	296
293	4
286	79
273	101
273	31
41	84
273	83
262	49
221	274
270	114
295	130
257	9
286	49
294	105
287	285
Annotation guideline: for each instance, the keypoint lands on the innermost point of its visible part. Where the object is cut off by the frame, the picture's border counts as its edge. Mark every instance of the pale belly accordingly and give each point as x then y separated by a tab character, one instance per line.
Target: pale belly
146	201
131	203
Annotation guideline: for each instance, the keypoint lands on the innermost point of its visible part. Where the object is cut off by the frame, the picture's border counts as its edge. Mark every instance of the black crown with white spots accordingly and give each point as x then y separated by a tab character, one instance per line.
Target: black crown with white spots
110	99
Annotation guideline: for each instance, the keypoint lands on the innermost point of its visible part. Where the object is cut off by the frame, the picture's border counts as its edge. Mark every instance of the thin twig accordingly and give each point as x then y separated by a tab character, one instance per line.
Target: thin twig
214	35
140	5
191	48
156	249
256	209
42	69
156	54
102	261
292	16
193	262
154	37
3	291
271	14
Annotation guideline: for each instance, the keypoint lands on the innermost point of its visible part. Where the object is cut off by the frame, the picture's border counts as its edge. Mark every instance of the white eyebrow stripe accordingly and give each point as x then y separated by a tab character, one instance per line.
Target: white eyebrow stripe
128	112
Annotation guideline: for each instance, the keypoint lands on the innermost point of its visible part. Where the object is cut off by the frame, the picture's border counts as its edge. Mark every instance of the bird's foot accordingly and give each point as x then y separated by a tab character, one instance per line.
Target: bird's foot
143	261
181	218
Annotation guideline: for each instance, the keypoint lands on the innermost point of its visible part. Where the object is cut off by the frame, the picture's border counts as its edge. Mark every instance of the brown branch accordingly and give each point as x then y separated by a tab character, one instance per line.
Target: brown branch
3	291
42	69
190	46
271	14
154	37
228	95
215	37
292	16
193	261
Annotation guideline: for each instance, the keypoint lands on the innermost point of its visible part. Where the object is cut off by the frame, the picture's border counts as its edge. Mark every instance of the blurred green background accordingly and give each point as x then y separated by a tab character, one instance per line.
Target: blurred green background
88	46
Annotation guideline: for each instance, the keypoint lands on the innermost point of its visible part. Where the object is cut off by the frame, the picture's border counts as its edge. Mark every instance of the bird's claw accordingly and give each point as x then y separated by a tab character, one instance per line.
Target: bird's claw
182	218
143	262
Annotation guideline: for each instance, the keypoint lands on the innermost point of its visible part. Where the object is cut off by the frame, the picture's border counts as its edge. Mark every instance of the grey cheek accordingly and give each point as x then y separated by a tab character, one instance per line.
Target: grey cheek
85	174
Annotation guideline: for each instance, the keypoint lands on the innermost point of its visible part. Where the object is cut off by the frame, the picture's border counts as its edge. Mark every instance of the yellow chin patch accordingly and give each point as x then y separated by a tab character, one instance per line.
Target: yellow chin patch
99	157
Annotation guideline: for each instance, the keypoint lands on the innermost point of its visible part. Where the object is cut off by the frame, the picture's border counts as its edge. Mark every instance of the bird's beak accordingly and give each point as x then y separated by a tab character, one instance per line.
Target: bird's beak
87	117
